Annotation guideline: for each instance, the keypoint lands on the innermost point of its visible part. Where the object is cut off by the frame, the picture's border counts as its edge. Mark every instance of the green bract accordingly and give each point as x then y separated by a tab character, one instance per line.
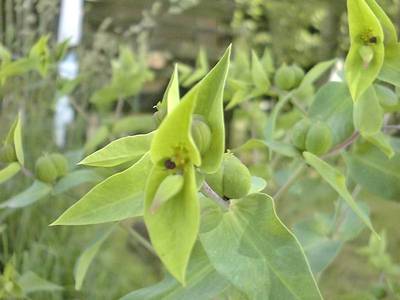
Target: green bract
366	55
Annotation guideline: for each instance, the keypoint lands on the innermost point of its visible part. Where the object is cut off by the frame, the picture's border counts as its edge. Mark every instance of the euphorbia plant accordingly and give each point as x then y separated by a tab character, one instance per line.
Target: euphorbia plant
210	224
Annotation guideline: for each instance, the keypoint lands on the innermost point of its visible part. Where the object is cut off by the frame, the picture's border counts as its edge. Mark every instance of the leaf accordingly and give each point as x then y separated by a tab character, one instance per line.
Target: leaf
391	66
333	105
30	282
75	179
17	138
174	133
120	151
320	249
375	172
365	31
35	192
200	71
368	113
259	76
271	123
389	30
279	147
203	282
208	96
338	182
251	247
9	171
117	198
314	74
381	141
167	189
174	226
172	95
85	259
258	184
133	123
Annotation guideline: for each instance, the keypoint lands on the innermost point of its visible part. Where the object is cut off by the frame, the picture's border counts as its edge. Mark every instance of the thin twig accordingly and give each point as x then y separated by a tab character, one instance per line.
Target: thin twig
336	150
138	237
292	179
397	127
26	172
118	108
210	193
79	109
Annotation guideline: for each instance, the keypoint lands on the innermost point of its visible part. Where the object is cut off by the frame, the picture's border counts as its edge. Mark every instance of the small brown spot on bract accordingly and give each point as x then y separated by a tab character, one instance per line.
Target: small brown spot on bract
373	40
169	164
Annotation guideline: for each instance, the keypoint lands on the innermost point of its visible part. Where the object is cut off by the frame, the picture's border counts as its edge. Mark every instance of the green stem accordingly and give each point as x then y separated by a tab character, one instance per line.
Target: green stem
207	191
292	179
139	238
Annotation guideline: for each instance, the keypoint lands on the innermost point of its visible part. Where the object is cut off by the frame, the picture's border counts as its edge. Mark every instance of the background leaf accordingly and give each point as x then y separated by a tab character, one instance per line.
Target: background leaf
9	171
35	192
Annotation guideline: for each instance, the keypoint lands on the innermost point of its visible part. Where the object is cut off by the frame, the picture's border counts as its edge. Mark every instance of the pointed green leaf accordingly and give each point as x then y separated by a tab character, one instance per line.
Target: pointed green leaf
259	76
338	182
203	282
333	105
17	135
98	138
314	74
368	113
174	135
167	189
85	259
365	31
30	282
391	66
120	151
208	95
35	192
258	184
9	171
171	95
174	226
251	247
381	141
375	172
389	30
117	198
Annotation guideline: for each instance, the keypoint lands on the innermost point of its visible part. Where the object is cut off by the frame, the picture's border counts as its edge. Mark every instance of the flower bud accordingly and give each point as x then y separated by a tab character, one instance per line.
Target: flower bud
319	138
45	169
299	134
60	163
285	78
7	154
201	133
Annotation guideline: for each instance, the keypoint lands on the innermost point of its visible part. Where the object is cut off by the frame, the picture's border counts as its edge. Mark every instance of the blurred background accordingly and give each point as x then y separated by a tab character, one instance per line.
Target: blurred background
104	85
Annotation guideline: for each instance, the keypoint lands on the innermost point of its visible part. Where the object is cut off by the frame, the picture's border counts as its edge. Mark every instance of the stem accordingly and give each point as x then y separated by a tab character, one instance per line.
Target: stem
207	191
26	172
292	179
397	127
118	108
336	150
138	237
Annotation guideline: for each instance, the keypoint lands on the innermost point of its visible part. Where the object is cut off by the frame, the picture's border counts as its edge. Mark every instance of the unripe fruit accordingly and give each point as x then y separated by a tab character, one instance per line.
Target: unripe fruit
319	138
7	154
299	74
299	134
215	181
237	178
201	133
159	116
45	169
60	163
285	78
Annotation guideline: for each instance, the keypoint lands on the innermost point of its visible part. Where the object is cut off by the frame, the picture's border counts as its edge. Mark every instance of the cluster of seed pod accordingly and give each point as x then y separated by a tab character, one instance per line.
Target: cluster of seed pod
50	167
288	77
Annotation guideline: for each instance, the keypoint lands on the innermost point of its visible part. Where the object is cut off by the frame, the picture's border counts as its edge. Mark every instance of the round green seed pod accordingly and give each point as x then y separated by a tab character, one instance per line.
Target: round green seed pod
299	74
319	138
299	134
60	163
237	178
201	133
159	116
7	154
45	169
285	78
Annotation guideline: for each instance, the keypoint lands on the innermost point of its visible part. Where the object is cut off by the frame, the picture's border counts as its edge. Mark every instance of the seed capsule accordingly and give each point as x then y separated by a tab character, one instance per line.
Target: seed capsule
285	78
45	169
299	134
60	163
319	138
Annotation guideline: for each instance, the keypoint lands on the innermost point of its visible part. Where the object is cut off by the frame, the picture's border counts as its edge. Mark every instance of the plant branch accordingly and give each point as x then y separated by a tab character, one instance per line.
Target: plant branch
207	191
139	238
292	179
337	149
